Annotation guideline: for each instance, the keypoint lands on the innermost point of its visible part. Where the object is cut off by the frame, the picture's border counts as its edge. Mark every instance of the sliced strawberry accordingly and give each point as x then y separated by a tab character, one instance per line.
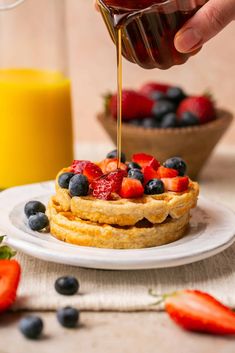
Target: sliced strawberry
150	87
92	171
102	189
116	178
149	173
78	166
110	165
177	184
163	172
144	160
197	311
9	280
131	188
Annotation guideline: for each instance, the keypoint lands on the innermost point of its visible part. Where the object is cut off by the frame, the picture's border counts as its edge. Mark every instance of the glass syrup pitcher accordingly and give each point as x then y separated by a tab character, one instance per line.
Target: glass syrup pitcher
148	28
36	137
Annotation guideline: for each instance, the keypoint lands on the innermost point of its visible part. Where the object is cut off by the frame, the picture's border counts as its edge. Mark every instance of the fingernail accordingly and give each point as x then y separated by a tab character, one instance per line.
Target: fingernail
187	40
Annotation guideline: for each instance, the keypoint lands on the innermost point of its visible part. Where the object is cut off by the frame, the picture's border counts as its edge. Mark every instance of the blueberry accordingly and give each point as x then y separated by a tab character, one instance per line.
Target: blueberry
64	179
169	120
68	317
113	154
133	165
136	174
33	207
78	185
176	163
38	221
149	123
189	119
157	95
175	94
162	108
67	285
135	122
31	326
153	187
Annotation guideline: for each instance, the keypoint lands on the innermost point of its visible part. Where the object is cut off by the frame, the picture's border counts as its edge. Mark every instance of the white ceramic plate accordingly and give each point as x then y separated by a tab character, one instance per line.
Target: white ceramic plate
212	229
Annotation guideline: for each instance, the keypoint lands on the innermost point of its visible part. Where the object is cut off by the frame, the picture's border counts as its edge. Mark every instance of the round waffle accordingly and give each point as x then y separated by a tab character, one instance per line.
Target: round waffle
68	227
128	212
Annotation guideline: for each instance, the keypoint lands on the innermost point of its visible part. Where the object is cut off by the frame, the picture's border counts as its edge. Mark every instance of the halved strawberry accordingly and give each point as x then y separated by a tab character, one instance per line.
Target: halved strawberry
144	160
149	173
92	171
198	311
116	178
78	166
163	172
177	184
9	280
131	188
102	188
110	165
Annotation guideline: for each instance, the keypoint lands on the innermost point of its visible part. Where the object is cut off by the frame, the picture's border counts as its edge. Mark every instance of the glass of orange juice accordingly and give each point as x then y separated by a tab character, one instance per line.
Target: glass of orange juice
36	138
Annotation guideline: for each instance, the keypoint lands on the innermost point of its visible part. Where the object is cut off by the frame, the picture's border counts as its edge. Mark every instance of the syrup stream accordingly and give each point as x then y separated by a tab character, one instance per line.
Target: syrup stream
119	95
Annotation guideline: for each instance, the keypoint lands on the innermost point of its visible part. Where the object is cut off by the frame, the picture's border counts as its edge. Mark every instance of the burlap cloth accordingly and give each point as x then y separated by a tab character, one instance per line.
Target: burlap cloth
128	290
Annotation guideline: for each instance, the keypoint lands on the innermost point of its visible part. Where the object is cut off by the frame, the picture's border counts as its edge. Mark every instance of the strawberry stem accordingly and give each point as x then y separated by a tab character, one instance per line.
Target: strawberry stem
6	253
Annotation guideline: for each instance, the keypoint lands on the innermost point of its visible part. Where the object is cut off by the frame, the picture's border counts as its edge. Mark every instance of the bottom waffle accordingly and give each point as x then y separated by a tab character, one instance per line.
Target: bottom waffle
67	227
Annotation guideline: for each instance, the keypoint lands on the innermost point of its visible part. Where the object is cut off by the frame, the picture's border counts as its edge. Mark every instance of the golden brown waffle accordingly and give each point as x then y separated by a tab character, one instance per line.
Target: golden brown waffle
127	212
70	228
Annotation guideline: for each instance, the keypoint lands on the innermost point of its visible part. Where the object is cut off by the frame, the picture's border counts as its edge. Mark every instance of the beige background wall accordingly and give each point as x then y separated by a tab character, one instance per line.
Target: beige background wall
92	65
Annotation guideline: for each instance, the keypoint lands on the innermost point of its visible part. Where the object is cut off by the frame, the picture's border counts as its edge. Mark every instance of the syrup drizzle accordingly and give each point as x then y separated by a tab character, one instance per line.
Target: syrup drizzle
119	95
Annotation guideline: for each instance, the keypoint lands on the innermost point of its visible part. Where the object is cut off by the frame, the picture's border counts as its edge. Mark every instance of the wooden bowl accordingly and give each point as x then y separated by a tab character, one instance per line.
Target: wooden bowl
194	144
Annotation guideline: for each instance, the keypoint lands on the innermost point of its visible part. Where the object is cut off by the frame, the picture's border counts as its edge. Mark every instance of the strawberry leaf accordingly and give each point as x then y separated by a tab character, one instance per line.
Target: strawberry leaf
6	253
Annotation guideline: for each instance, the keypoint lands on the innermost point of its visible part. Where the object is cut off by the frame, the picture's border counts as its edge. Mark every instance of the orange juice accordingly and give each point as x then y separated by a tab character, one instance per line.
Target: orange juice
35	125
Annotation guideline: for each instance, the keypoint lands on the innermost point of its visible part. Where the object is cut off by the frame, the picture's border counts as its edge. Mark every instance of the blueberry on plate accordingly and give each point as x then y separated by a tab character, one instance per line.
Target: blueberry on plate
113	154
157	95
136	174
78	185
162	108
169	120
38	222
64	179
133	165
149	123
31	326
33	207
67	285
189	119
153	187
176	163
175	94
68	317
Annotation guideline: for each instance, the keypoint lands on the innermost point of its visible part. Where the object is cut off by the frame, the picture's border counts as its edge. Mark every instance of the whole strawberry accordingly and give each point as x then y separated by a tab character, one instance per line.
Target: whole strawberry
134	105
201	106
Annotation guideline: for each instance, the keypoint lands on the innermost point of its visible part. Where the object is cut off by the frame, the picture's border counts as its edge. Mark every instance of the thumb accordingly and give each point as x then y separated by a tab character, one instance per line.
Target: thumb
205	24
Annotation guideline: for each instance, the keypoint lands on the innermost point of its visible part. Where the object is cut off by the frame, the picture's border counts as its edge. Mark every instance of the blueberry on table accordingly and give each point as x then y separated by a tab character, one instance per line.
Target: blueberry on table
175	94
136	174
78	185
64	179
176	163
68	317
162	108
31	326
149	123
153	187
33	207
189	119
169	120
133	165
67	285
113	154
38	222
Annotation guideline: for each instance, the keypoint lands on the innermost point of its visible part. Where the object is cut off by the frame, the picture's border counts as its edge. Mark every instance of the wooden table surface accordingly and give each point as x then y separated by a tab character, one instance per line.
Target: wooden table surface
111	332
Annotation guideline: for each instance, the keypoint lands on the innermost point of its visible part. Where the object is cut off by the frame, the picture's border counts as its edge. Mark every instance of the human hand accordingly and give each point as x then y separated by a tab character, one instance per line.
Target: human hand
205	24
